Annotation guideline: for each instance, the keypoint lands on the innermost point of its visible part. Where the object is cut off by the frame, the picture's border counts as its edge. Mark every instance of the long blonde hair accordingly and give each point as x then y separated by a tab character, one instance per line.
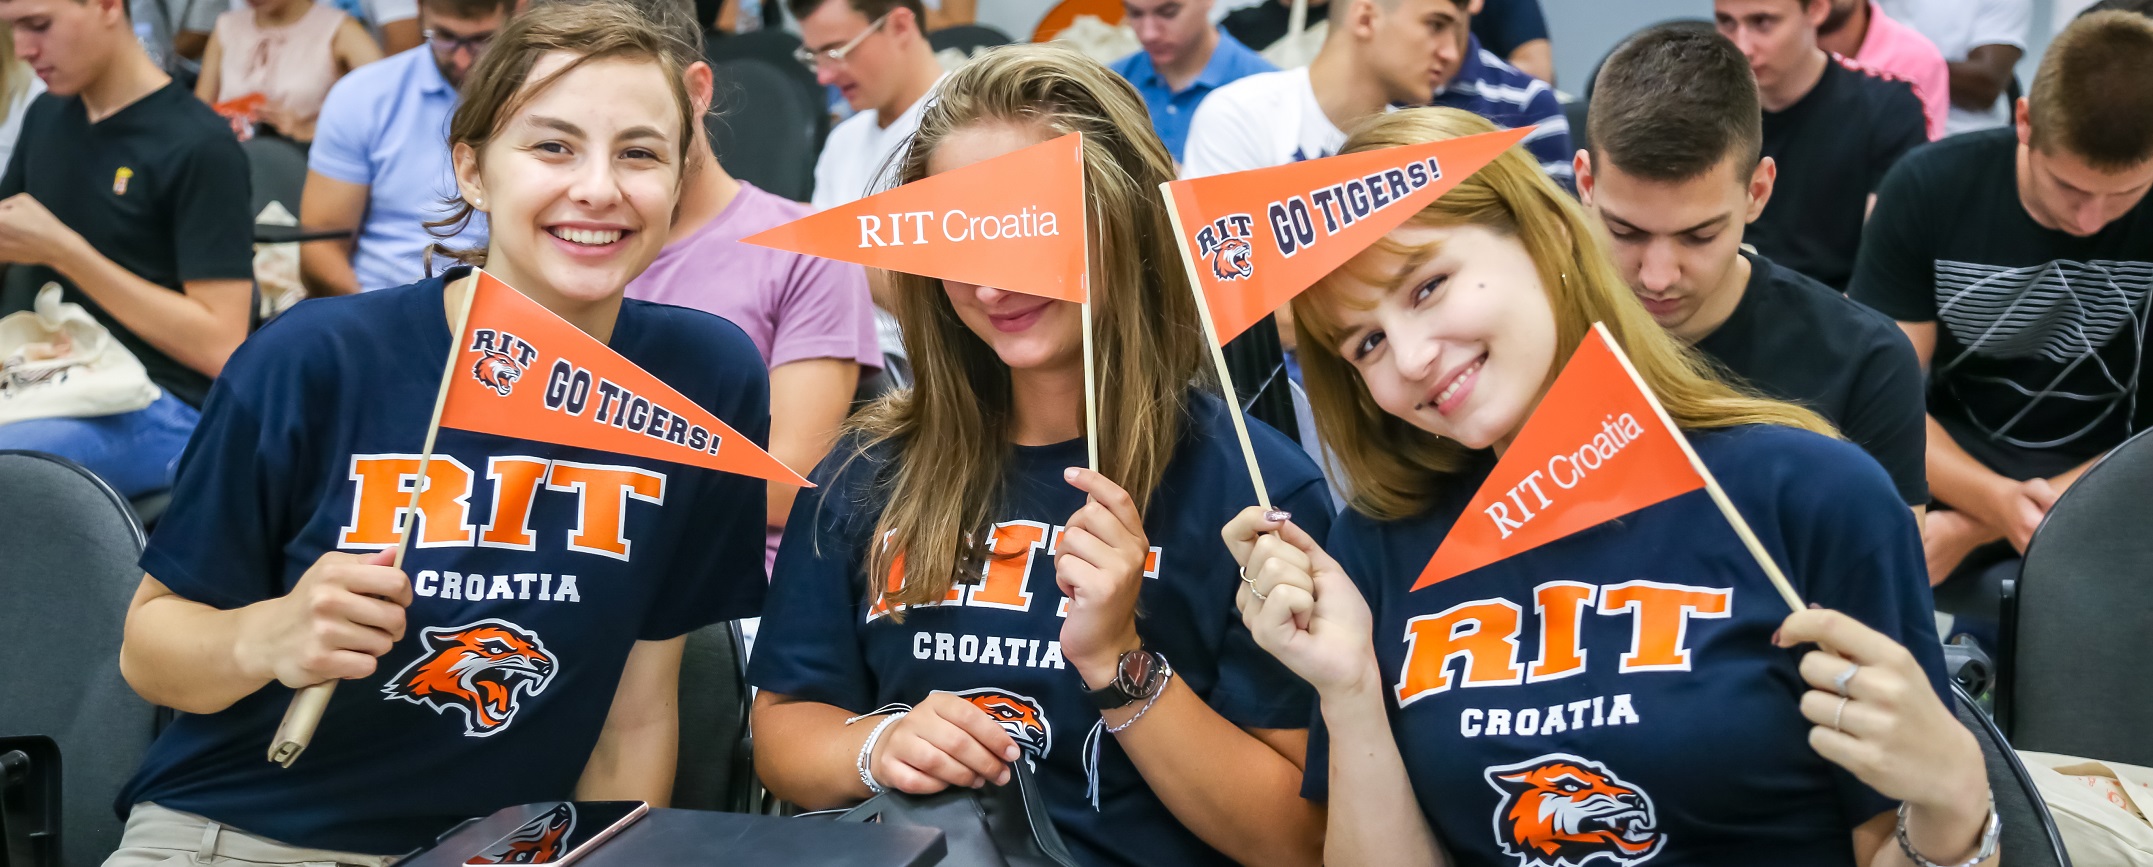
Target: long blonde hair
1392	469
950	433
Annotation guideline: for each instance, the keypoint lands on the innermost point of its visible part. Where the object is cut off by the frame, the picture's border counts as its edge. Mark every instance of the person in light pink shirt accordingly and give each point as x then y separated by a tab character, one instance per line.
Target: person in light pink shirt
1860	31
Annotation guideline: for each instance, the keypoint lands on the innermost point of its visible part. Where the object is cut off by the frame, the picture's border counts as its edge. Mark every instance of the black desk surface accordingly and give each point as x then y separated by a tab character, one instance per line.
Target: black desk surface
693	838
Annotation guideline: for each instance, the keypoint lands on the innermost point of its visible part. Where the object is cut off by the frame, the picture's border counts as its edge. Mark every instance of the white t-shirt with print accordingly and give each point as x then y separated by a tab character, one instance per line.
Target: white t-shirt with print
1263	120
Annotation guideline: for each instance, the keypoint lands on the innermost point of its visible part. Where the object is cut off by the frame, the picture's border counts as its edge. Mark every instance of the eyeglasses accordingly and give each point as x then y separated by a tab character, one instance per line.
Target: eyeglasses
814	60
447	43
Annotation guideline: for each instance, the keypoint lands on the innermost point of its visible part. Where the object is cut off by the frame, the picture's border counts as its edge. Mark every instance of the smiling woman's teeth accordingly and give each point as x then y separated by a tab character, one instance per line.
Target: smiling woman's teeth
588	237
1455	384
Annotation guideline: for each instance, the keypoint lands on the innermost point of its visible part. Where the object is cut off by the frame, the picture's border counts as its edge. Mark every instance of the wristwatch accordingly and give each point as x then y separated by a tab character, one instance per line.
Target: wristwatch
1138	676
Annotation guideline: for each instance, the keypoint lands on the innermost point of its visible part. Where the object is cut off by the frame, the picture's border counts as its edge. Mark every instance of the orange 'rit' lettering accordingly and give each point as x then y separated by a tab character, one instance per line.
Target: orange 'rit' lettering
1560	605
1660	620
603	493
383	494
1484	632
515	482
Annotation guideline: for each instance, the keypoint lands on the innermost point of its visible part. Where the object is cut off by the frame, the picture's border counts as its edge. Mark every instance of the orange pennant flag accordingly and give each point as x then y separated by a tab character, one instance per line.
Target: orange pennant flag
1597	448
1015	222
523	372
1257	238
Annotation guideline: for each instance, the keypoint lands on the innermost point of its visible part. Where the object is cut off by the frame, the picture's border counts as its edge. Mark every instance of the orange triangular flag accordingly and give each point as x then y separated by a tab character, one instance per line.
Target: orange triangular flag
1015	222
1257	238
1597	448
523	372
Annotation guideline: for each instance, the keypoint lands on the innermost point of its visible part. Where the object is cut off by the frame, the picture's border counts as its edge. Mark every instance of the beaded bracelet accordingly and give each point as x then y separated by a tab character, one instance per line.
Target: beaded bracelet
867	749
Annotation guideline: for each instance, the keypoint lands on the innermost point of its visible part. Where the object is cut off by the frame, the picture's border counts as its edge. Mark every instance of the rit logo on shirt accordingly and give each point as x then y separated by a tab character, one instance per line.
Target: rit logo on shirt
1484	634
382	494
1012	547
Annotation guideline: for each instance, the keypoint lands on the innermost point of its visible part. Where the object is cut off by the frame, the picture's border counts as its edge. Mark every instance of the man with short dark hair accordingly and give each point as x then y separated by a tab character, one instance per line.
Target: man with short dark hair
1377	54
1183	59
132	196
2019	262
380	161
1675	171
1833	128
875	53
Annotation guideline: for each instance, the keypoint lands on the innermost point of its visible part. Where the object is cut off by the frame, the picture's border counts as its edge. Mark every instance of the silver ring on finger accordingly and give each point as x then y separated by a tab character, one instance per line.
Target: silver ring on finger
1251	582
1252	591
1839	714
1839	684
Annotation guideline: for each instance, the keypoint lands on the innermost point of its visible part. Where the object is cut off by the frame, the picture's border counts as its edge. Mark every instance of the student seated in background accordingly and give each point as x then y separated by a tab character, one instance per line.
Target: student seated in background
529	649
1860	31
380	165
811	319
132	195
1516	30
290	51
1833	129
1378	53
875	53
2019	262
1183	60
1981	41
1631	693
1190	758
1675	173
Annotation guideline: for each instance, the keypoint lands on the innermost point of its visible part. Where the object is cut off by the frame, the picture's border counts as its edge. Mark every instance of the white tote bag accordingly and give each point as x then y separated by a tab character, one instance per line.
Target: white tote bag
2101	808
56	361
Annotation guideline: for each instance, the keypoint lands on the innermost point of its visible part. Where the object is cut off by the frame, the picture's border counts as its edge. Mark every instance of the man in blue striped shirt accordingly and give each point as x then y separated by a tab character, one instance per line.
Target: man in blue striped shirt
1488	86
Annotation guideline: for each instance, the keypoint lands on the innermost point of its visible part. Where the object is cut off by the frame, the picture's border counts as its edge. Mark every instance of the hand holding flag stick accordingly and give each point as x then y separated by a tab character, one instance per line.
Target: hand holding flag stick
1265	235
517	370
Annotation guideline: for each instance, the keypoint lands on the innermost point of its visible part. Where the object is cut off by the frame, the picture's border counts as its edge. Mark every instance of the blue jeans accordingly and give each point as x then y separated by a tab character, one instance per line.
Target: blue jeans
135	452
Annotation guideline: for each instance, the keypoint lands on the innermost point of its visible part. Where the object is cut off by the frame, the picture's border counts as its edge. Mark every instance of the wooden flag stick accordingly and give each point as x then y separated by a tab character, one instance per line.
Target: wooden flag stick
296	731
1218	353
1091	389
1711	484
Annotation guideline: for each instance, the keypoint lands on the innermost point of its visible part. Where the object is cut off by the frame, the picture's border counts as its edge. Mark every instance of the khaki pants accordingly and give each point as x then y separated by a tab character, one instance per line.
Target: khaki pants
157	837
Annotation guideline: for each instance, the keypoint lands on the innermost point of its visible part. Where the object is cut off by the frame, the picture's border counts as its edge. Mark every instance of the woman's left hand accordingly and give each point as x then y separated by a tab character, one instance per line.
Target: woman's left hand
1888	728
1099	565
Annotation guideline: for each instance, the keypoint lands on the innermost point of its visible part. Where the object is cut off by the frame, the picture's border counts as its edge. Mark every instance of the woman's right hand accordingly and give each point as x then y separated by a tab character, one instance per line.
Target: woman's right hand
345	612
945	741
1309	615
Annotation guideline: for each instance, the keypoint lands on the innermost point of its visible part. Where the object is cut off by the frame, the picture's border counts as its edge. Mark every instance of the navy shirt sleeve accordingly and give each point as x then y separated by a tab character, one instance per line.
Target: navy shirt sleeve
809	646
1901	127
1506	24
1853	549
221	542
1895	269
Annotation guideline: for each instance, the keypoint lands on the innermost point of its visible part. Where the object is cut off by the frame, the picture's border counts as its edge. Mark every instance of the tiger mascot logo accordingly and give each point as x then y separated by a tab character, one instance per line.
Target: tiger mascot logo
1232	260
481	669
1019	715
1563	811
498	371
539	841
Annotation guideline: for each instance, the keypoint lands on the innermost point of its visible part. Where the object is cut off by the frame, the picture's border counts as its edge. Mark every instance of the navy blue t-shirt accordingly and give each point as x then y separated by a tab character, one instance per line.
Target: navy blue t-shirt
536	570
999	644
1621	683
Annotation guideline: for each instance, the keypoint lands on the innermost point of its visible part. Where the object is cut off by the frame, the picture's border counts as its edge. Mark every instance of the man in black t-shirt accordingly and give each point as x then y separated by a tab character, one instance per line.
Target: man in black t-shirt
2019	261
1833	128
133	196
1675	174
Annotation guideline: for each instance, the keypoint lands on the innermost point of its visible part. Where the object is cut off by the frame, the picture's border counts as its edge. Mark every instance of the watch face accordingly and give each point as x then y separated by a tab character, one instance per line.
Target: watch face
1138	669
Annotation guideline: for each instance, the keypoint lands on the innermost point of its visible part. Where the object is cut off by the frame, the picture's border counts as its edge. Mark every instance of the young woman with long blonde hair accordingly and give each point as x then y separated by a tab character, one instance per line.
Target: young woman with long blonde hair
1629	693
961	593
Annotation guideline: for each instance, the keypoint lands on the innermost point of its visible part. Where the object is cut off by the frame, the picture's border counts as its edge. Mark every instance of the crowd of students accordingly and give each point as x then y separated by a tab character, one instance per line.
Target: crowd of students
1894	354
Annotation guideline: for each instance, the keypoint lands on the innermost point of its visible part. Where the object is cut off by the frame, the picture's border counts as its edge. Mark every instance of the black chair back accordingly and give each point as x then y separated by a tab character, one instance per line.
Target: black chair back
767	128
714	767
2030	838
2074	658
277	167
70	569
967	38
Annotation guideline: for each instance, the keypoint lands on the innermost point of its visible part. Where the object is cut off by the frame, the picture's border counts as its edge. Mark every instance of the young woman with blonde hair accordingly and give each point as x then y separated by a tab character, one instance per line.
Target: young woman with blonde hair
960	593
1626	694
530	647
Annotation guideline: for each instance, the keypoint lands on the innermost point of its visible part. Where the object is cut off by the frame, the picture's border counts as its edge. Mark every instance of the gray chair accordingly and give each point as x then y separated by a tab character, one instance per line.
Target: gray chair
767	127
69	570
2029	836
966	38
277	169
2074	666
714	770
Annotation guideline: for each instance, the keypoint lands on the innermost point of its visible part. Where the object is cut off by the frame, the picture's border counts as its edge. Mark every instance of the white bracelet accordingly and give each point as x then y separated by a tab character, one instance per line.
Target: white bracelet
1985	849
1154	699
867	750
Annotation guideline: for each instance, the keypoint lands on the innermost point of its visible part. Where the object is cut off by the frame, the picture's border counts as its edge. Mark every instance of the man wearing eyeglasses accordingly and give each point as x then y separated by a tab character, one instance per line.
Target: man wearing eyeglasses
875	53
380	162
